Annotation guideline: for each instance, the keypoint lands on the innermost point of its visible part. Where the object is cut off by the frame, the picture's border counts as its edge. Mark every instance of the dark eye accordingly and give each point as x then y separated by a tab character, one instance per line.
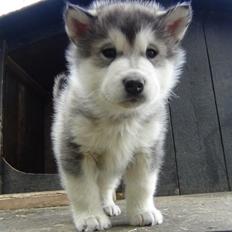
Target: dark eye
151	53
109	53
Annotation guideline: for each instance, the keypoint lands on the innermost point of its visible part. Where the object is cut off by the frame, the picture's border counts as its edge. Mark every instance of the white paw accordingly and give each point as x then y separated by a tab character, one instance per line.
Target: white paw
147	218
112	210
91	222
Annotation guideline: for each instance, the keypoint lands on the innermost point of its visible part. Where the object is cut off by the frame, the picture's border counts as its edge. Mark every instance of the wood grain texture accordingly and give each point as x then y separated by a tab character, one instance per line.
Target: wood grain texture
37	200
199	152
218	37
195	213
33	200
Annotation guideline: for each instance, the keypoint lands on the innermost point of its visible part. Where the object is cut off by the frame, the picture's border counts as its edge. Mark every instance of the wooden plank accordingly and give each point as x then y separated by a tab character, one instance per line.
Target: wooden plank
33	200
37	36
2	74
199	152
195	213
43	60
23	124
15	181
37	200
25	78
30	127
21	127
219	36
10	113
49	159
168	181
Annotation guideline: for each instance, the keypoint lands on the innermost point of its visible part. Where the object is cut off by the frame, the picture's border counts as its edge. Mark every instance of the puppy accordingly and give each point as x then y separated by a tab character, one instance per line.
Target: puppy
111	108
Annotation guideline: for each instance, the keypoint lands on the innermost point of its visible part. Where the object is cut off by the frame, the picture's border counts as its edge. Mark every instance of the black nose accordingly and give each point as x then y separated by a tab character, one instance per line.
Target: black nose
133	87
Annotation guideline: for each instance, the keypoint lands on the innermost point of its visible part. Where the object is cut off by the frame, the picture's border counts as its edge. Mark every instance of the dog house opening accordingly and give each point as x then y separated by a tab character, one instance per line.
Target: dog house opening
27	115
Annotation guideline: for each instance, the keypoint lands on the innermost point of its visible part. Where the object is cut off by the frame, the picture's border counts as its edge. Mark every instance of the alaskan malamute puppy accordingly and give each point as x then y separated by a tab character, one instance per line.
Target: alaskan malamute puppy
111	108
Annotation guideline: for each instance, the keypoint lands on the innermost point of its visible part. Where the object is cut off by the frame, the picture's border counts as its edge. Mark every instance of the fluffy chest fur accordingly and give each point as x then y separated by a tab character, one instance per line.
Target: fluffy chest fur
115	142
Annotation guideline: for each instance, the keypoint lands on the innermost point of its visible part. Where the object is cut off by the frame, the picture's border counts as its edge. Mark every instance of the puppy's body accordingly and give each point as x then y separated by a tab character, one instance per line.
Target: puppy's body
110	110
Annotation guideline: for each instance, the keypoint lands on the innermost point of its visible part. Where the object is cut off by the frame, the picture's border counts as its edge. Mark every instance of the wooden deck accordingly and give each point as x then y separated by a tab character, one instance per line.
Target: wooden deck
192	213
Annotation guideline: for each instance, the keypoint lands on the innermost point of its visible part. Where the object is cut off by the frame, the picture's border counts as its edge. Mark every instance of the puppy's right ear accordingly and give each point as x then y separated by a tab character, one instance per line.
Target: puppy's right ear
176	21
77	21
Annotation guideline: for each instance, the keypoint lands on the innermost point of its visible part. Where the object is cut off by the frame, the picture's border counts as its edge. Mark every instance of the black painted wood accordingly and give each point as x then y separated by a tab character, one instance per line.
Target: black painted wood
218	34
26	79
168	182
23	123
2	73
45	18
49	158
199	152
15	181
10	113
44	59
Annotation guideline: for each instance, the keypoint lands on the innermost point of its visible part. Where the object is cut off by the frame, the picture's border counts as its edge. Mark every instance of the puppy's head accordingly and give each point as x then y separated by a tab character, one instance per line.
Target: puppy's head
127	54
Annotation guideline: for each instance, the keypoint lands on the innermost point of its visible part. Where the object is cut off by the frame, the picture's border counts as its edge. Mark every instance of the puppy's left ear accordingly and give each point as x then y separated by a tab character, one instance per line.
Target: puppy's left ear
176	20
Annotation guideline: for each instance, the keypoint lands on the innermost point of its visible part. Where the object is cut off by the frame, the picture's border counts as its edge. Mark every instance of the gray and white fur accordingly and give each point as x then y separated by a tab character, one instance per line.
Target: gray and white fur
111	108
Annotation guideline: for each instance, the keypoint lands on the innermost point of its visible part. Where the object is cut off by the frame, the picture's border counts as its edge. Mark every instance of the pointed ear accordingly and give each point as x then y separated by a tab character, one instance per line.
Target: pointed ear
176	20
77	21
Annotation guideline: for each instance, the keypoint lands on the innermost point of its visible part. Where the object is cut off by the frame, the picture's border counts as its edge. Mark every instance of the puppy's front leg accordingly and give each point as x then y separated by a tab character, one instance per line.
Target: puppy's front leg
83	193
108	182
141	179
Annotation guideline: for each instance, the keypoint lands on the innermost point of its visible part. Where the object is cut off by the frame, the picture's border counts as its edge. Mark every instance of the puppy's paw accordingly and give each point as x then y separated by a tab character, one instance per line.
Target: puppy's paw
147	218
112	210
91	222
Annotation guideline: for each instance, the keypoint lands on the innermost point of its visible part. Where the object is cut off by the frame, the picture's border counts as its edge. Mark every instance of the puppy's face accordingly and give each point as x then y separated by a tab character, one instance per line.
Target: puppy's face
127	54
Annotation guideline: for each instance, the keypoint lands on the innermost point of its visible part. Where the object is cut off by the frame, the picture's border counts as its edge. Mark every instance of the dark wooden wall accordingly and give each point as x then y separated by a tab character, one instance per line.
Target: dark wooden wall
201	114
198	148
23	121
196	120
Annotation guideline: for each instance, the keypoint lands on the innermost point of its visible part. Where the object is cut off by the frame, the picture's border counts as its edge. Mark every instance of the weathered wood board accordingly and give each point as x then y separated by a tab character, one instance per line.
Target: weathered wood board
195	213
33	200
23	122
219	36
15	181
168	182
199	152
